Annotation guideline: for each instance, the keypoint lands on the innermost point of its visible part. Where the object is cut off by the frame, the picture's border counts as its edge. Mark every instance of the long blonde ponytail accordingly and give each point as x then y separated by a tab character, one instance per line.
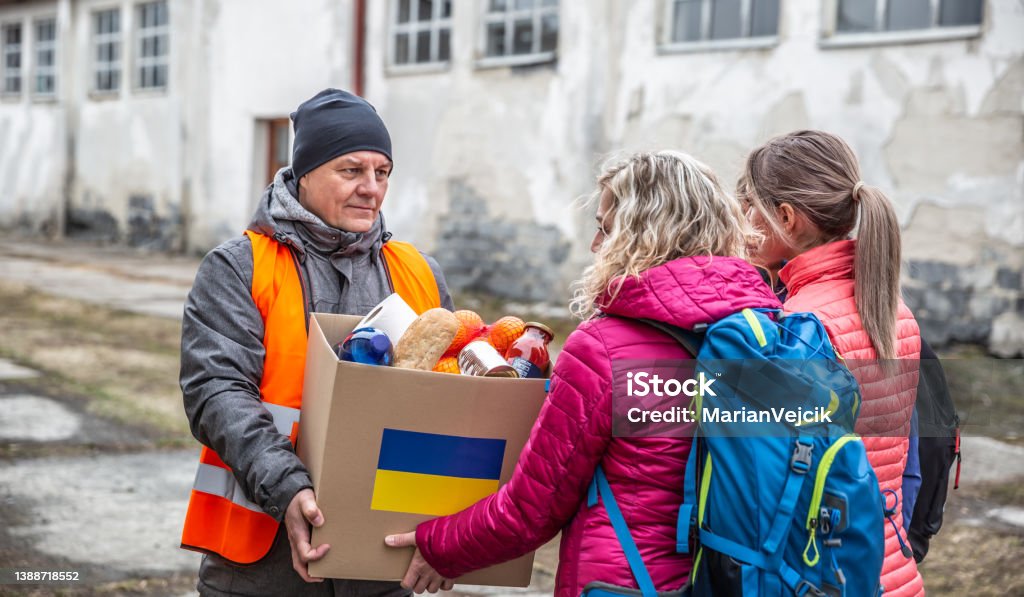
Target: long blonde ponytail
877	270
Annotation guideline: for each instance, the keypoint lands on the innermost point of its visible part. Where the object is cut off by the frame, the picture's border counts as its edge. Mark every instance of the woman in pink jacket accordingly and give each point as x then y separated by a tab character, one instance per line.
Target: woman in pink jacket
669	246
804	193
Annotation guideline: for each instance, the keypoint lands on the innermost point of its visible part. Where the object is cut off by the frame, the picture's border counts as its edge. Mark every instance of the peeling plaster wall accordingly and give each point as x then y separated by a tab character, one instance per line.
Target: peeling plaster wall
32	130
127	168
179	168
523	140
106	167
200	147
929	120
264	58
938	125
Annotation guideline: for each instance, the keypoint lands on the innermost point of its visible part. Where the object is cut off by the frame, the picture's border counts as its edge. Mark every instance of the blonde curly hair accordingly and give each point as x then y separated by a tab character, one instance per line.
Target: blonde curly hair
664	205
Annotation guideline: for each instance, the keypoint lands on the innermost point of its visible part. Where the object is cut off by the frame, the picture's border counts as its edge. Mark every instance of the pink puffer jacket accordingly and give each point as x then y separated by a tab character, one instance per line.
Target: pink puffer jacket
821	281
572	436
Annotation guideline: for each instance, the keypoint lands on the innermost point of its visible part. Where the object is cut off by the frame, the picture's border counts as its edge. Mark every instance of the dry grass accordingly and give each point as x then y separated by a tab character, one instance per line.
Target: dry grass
126	364
972	555
988	392
977	561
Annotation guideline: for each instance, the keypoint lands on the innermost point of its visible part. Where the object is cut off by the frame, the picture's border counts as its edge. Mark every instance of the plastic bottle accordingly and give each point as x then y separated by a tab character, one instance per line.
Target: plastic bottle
368	346
529	354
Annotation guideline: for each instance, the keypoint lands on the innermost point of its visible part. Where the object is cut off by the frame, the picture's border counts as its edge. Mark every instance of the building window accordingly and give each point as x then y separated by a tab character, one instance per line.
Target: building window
12	58
696	21
520	31
873	16
107	50
152	46
421	31
46	57
279	150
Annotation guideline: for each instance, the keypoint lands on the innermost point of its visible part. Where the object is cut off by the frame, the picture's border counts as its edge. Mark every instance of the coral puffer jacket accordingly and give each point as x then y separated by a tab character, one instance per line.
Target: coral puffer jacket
573	434
821	281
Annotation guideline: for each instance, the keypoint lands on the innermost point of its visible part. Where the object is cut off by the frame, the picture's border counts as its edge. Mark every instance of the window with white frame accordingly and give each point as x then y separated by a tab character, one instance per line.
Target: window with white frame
106	41
11	34
520	31
152	47
46	57
871	16
421	31
694	21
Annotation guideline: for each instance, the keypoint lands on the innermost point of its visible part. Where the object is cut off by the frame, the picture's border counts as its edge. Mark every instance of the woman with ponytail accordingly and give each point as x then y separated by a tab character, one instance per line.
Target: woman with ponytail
803	192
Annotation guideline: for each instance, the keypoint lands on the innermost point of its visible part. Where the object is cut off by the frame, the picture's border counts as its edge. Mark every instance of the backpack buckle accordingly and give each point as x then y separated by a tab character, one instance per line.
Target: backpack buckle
807	588
801	460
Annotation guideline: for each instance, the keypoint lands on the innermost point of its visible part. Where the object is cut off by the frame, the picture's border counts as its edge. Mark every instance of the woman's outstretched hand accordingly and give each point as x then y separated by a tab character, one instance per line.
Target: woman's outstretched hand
420	576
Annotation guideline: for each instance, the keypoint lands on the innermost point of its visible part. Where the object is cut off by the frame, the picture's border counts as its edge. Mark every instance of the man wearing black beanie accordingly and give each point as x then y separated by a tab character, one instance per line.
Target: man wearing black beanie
243	346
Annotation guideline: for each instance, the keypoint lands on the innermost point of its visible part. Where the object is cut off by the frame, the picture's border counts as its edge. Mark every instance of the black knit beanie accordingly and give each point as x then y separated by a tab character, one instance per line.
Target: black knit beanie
333	123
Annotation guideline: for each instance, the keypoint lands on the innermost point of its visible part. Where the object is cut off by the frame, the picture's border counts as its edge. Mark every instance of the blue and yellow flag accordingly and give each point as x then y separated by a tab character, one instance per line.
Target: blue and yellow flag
429	473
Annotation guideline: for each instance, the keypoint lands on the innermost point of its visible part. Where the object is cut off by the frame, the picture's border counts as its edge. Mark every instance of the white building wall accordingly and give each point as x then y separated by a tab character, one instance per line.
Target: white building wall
498	153
931	122
936	124
193	155
32	131
130	143
264	59
518	135
490	160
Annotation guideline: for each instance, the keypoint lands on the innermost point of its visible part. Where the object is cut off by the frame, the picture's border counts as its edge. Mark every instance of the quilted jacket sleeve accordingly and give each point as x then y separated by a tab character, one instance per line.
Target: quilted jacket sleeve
551	478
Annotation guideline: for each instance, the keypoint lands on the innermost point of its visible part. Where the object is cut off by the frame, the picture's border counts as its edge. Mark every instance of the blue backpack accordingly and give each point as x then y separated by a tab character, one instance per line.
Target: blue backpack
772	508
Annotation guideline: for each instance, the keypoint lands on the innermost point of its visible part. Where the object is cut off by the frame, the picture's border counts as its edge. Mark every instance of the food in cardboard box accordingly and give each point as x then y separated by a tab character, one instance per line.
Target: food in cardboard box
529	353
422	345
471	325
480	358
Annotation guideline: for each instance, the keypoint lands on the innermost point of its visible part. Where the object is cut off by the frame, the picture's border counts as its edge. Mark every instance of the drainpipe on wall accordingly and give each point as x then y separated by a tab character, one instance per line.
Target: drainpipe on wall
360	49
65	90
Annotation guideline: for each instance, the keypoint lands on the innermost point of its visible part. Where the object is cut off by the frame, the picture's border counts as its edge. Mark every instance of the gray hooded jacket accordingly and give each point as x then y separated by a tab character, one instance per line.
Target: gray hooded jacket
222	335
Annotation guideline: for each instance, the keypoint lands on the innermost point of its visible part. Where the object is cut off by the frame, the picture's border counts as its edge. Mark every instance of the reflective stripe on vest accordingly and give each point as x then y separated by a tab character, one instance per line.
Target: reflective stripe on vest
218	481
220	518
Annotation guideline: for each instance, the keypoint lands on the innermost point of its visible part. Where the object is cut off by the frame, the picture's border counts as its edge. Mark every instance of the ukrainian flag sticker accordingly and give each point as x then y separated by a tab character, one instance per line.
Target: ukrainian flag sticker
429	473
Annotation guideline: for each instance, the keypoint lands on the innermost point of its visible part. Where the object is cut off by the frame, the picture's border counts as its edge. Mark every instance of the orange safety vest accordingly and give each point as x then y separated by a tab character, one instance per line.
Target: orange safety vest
220	519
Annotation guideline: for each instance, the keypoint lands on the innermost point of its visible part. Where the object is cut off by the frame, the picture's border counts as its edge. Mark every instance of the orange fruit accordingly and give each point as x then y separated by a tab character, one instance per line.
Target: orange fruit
471	325
448	365
505	331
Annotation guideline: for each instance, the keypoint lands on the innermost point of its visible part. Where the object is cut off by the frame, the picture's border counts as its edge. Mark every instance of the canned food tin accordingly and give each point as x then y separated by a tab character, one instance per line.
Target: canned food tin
480	358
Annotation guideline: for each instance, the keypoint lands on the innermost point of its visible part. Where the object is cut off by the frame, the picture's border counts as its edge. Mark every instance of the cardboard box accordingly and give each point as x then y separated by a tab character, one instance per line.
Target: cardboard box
389	448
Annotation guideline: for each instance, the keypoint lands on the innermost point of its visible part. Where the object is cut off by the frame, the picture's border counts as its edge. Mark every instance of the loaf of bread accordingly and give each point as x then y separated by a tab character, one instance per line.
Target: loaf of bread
422	345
